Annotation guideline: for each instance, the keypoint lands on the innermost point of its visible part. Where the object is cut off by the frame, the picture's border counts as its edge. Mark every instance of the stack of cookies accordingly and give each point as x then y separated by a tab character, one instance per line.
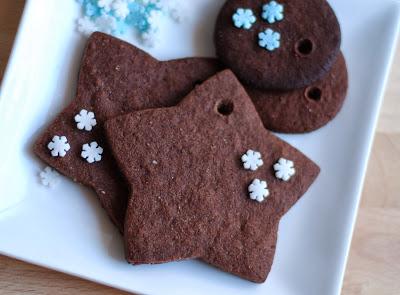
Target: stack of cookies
287	54
179	152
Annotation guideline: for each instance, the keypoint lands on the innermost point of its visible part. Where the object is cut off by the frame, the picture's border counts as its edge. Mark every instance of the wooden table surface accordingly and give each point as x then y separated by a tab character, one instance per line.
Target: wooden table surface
374	265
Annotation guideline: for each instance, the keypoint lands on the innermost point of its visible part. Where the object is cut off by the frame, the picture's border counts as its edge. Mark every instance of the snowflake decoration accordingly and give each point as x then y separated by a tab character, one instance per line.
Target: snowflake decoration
120	8
116	16
92	152
243	18
85	120
86	26
252	160
49	177
106	23
59	146
284	169
258	190
177	10
272	12
105	4
269	40
154	19
91	9
149	39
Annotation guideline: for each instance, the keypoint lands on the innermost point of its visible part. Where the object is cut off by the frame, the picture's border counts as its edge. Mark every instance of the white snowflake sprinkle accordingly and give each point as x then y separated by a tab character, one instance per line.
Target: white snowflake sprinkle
120	8
85	120
177	10
157	3
154	20
150	38
49	177
114	17
252	160
177	15
92	152
284	169
86	26
59	146
258	190
106	24
105	4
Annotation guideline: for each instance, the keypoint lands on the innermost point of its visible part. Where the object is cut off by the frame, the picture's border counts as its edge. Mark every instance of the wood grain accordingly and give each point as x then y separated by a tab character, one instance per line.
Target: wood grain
10	12
374	264
20	278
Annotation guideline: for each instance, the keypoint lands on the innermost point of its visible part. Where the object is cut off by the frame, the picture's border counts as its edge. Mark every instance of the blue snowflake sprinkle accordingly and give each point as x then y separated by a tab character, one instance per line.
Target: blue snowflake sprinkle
272	12
116	16
92	10
269	40
243	18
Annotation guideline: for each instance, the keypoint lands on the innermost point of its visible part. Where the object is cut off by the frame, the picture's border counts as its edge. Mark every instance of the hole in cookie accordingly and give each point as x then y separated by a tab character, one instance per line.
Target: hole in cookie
314	93
225	107
304	47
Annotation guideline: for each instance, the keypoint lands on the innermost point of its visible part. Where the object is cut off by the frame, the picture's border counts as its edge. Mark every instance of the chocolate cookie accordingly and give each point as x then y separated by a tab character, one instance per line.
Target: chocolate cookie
283	44
207	180
115	78
305	109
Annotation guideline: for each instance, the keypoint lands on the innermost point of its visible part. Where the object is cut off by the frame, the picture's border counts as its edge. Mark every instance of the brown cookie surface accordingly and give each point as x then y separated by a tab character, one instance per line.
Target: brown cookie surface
309	43
116	78
306	109
190	190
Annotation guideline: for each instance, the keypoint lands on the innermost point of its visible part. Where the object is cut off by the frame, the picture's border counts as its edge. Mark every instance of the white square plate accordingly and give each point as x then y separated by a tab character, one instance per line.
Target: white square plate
65	229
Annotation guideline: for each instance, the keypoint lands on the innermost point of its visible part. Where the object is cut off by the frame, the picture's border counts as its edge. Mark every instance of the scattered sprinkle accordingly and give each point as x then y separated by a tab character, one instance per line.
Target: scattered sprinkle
49	177
116	16
86	26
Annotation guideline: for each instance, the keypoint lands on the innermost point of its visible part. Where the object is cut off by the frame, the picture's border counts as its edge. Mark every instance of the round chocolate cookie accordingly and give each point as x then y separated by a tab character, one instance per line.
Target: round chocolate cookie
303	110
282	44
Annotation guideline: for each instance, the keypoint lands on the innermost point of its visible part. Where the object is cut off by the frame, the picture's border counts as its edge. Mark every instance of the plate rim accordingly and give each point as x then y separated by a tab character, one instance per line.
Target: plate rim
13	53
366	150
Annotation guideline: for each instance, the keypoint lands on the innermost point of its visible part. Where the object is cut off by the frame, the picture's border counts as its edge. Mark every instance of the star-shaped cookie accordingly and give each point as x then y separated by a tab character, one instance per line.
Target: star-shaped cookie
189	190
115	78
